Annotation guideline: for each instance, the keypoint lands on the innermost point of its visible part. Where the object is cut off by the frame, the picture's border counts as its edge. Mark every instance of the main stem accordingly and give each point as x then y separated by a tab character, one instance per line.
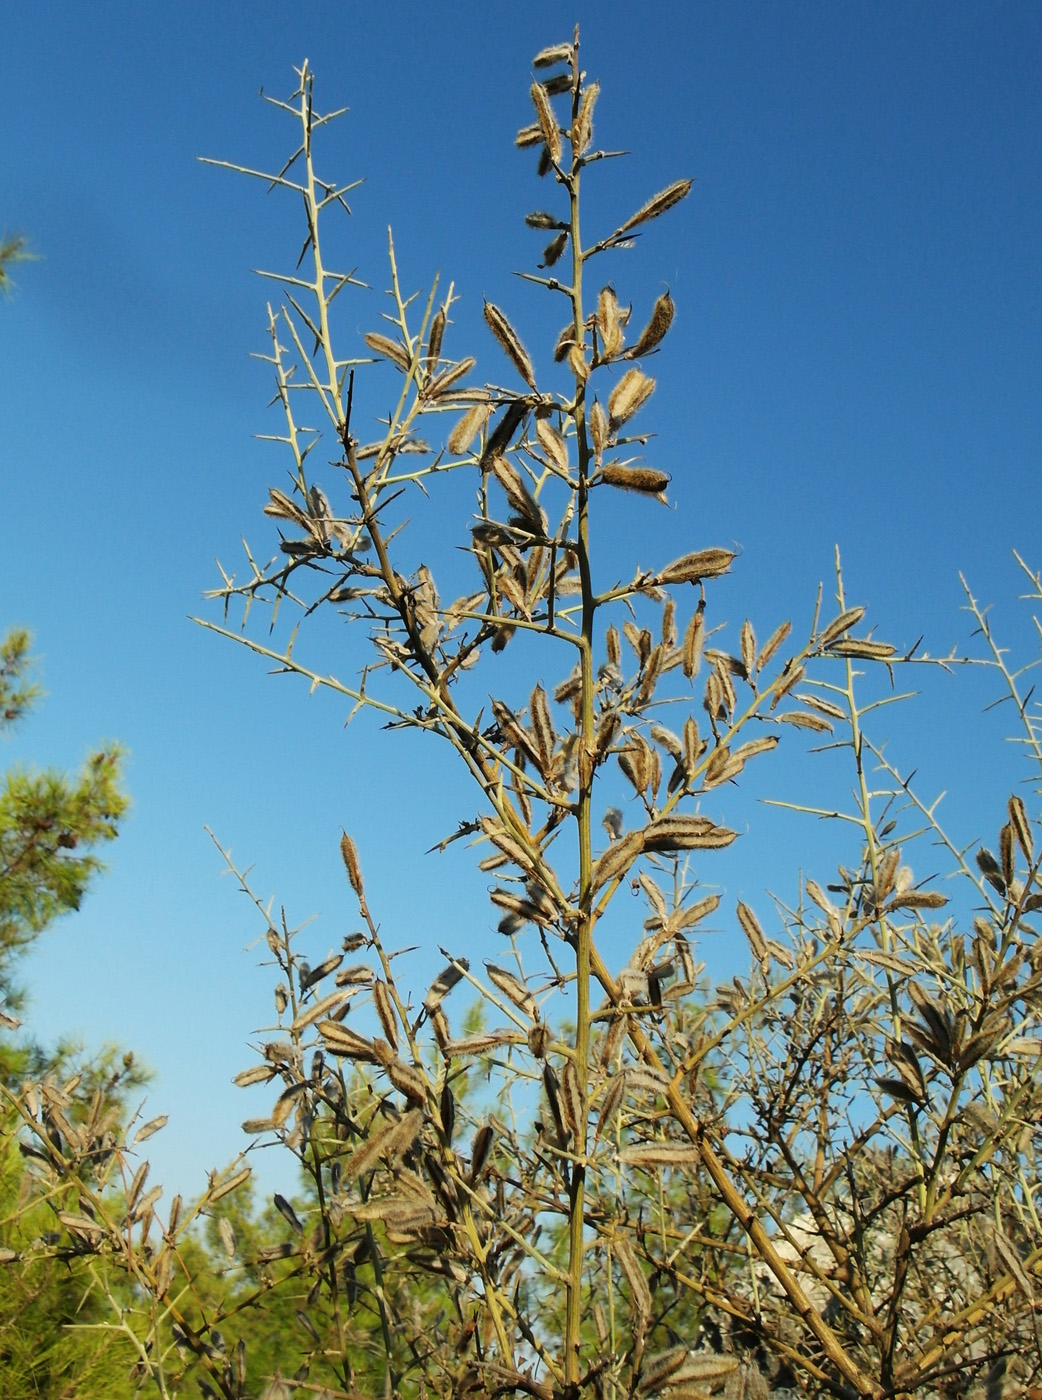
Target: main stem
576	1198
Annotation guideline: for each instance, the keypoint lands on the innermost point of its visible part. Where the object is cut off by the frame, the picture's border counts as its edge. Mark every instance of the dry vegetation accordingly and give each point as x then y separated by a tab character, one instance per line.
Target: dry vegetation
612	1180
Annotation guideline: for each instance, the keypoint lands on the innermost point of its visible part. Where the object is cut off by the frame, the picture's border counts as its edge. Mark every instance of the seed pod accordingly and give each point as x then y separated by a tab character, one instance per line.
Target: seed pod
631	1269
434	340
840	624
444	983
694	639
448	377
863	648
514	989
632	390
772	644
232	1183
752	930
645	480
468	427
692	568
609	323
539	218
529	135
556	53
511	343
658	204
553	444
617	859
479	1152
564	343
385	1010
748	647
598	429
655	331
354	871
1018	819
686	834
582	127
548	127
553	250
390	350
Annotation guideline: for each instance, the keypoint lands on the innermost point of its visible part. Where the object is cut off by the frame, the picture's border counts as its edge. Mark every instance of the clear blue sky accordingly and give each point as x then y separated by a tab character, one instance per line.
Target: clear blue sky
855	360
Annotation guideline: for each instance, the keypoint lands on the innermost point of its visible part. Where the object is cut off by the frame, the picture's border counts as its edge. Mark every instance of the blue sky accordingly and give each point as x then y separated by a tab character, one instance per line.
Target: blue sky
855	361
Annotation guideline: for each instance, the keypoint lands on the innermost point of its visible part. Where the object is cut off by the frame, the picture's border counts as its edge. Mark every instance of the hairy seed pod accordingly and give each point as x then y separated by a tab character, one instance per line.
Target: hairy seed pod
440	386
598	429
692	568
511	343
655	331
434	340
564	343
582	127
390	350
658	204
556	53
553	250
539	218
632	391
529	135
354	870
547	122
553	444
609	323
468	427
647	481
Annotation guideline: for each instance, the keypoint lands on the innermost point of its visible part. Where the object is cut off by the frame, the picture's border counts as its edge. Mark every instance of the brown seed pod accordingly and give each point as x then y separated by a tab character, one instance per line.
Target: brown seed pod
655	331
632	391
529	135
434	340
553	444
511	343
658	204
553	250
692	568
609	323
648	481
565	341
354	870
582	127
390	350
468	427
548	127
556	53
448	377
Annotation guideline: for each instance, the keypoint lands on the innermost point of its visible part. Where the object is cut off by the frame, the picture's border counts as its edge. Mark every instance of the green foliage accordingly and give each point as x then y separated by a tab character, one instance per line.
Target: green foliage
50	825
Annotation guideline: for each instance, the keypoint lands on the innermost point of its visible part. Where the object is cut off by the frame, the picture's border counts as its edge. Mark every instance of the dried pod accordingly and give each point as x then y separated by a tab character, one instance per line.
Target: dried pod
529	135
632	390
658	204
582	127
694	640
772	644
553	444
468	427
686	834
617	859
434	339
692	568
444	983
863	648
1018	819
553	250
354	870
511	343
609	323
548	127
645	480
599	432
390	350
441	385
539	218
564	343
556	53
655	331
754	933
850	618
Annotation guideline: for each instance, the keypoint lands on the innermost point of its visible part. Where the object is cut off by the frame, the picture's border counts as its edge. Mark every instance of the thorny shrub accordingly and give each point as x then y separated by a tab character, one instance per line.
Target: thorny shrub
820	1177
